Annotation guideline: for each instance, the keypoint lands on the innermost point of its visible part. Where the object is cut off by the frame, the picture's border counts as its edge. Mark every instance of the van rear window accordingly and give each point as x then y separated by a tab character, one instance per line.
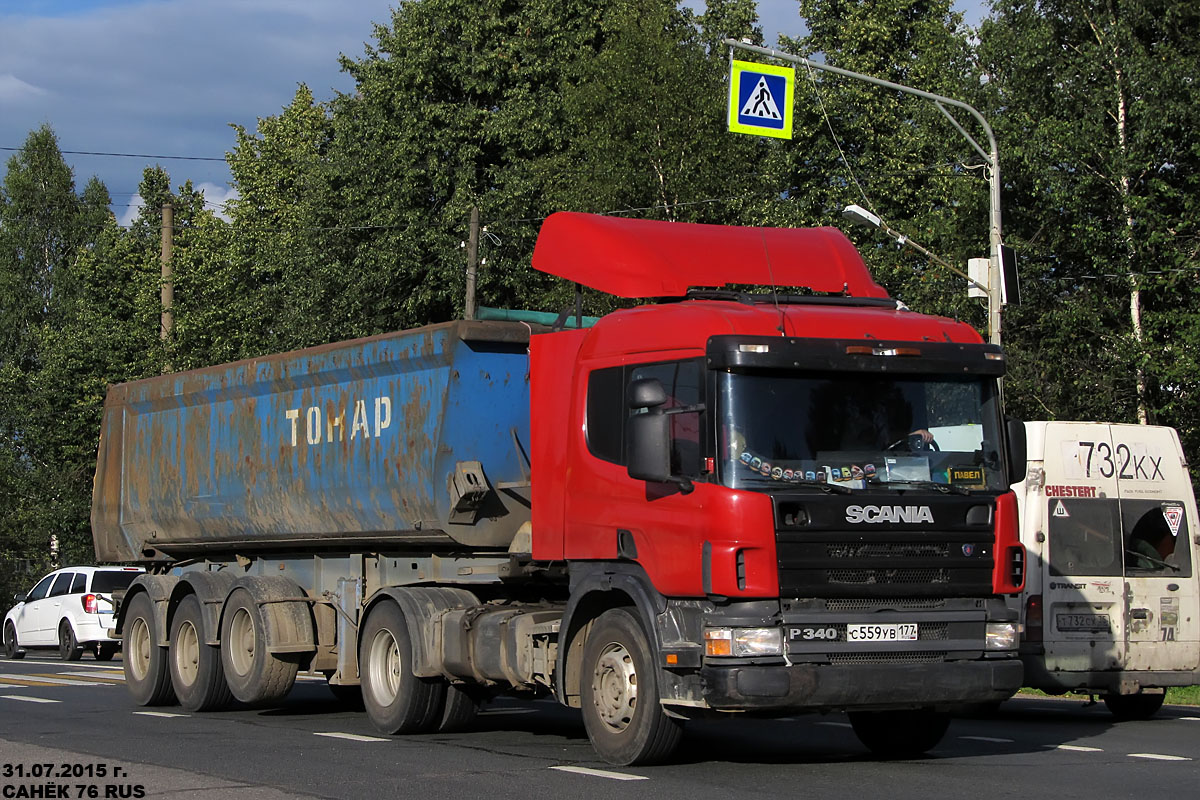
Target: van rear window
1084	536
104	582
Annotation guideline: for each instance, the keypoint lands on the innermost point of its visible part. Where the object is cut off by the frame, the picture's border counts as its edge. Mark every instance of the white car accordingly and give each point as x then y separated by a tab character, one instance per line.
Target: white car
71	609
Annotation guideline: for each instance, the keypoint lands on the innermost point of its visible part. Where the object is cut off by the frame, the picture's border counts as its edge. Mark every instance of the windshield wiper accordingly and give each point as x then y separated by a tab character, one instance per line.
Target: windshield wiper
828	488
1151	559
944	488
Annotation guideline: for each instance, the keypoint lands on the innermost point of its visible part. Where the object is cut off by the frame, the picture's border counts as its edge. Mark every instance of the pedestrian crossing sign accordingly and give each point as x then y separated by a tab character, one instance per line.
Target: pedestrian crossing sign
760	99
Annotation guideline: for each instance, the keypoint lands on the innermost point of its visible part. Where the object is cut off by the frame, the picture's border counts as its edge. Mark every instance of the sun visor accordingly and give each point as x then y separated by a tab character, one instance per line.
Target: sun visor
650	258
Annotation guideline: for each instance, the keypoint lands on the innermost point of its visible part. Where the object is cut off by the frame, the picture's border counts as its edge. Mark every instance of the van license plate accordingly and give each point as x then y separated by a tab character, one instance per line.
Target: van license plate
895	632
1083	622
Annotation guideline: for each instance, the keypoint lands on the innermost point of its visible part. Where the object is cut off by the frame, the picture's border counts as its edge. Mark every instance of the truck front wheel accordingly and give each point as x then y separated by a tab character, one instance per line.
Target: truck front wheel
254	675
146	673
397	701
899	734
196	673
619	694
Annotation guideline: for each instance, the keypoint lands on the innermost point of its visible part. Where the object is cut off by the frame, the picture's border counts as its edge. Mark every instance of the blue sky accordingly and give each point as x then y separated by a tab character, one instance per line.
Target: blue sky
167	77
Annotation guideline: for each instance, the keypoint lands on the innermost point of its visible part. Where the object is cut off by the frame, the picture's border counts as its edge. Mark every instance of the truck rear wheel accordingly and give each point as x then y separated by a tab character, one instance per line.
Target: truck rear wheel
899	734
459	712
619	688
397	701
1134	706
146	673
196	673
254	675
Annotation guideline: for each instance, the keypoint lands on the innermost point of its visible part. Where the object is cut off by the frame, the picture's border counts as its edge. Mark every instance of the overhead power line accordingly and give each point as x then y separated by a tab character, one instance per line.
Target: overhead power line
124	155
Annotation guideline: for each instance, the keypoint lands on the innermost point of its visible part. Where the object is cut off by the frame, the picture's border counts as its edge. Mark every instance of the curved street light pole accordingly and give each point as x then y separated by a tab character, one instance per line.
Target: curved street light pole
991	156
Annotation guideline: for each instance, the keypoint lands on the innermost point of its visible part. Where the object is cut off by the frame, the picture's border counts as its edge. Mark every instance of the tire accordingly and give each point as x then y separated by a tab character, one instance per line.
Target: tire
12	648
68	647
1127	707
397	701
253	675
147	675
349	696
196	673
458	714
105	652
619	693
899	734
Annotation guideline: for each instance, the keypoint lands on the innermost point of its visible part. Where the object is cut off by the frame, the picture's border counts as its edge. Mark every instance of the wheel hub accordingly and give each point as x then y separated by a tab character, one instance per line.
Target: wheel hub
614	687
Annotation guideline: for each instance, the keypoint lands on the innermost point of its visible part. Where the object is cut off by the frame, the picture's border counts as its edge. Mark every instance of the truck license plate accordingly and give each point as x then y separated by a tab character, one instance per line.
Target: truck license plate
1083	622
896	632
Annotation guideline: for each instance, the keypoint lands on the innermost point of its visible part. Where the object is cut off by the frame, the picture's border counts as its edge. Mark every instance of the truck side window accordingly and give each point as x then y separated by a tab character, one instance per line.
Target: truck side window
606	414
683	383
1151	549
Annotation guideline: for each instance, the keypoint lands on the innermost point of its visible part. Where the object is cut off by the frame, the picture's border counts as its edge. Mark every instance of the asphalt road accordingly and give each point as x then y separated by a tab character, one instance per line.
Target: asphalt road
69	729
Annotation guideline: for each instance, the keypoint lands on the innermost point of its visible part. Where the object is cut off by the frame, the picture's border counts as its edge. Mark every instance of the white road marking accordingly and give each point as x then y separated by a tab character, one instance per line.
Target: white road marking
28	699
1191	719
987	739
602	773
354	737
1158	757
163	714
1078	748
836	724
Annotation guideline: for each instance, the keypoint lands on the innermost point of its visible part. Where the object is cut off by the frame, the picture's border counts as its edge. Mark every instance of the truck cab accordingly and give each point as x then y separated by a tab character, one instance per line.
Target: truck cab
1110	604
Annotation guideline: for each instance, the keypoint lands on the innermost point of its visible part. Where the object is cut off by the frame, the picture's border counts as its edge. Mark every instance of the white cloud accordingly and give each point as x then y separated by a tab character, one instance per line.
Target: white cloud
14	90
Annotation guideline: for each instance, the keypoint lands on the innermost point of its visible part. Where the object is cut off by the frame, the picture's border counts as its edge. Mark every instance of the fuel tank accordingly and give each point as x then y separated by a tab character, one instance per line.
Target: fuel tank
414	438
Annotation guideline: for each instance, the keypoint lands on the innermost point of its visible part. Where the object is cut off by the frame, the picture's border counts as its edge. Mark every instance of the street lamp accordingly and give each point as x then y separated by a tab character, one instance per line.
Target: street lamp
991	156
860	216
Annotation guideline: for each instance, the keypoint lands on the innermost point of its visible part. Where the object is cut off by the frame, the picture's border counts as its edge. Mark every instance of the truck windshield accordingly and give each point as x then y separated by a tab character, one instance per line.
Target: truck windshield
858	432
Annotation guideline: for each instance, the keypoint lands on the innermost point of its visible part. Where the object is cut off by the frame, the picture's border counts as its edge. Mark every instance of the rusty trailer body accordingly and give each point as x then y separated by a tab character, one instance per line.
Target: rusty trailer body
403	438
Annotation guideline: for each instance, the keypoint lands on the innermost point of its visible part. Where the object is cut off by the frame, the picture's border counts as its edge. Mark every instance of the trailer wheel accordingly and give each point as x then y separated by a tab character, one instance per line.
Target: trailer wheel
12	648
254	675
1134	706
397	701
899	734
196	673
619	688
146	672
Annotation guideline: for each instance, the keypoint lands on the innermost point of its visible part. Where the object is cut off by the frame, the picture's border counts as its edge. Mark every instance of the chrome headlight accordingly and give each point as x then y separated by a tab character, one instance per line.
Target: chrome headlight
743	642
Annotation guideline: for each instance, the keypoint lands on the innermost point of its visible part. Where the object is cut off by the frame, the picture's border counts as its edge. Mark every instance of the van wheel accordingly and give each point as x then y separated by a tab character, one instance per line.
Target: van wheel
12	648
619	694
397	701
68	647
1134	706
196	673
147	675
899	734
254	675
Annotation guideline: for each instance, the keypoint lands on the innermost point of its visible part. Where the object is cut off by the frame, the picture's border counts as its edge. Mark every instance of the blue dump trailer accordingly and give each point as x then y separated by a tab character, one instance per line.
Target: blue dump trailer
332	445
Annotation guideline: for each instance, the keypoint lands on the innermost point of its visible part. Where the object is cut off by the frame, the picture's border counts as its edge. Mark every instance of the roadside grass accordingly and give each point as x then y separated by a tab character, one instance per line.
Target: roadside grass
1176	695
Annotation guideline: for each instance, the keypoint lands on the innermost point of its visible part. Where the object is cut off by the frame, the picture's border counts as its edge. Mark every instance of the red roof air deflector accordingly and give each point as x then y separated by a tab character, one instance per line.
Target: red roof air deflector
649	258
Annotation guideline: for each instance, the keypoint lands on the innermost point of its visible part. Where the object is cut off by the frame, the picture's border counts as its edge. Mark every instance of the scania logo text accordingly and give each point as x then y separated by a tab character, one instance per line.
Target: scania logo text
876	514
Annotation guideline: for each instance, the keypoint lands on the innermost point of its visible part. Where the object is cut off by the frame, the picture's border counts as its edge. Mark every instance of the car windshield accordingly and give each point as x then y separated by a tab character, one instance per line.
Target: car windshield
858	431
105	582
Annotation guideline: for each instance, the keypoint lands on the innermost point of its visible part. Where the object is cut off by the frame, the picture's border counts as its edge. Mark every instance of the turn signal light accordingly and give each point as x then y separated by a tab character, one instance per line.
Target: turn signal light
1033	618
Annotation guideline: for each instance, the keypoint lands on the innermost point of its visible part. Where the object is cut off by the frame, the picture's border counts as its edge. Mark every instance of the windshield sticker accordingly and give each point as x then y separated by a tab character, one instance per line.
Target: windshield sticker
1060	510
967	476
1174	516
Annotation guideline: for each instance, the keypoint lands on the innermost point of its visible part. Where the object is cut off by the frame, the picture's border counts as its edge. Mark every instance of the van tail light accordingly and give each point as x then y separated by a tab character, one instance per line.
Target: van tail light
89	603
1033	618
1008	570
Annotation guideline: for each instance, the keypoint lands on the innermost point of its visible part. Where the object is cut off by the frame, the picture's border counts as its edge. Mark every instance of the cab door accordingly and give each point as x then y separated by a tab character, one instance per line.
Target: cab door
1158	525
1083	585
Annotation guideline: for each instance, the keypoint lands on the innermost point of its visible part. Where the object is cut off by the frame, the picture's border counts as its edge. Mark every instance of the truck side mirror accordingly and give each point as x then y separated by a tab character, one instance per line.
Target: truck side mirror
648	435
1016	451
646	393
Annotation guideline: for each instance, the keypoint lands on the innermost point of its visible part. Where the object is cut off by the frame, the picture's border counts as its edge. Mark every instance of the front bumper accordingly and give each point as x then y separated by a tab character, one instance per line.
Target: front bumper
823	687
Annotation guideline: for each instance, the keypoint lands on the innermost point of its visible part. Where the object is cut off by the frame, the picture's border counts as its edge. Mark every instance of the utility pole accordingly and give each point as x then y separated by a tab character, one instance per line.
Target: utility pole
991	156
168	286
472	262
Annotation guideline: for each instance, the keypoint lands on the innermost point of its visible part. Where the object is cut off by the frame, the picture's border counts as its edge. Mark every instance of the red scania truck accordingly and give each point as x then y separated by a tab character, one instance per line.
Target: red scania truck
722	501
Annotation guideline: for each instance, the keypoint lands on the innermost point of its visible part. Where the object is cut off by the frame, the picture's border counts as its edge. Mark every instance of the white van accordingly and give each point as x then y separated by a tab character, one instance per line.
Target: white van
1110	605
